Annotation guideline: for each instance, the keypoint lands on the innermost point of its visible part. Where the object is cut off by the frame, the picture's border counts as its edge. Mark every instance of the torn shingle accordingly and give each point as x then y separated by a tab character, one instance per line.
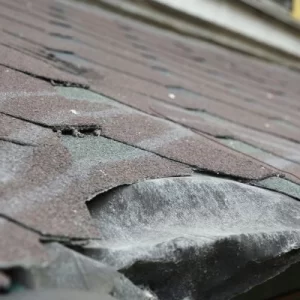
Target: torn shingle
45	187
198	237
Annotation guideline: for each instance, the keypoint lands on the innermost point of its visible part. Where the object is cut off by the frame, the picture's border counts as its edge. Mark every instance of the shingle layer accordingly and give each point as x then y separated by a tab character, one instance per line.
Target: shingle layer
90	101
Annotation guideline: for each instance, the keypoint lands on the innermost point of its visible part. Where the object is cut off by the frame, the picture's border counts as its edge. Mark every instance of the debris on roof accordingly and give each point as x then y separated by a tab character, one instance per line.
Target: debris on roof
102	117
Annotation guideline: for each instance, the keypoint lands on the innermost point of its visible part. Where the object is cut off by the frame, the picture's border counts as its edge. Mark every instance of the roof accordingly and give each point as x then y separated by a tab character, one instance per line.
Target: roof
92	101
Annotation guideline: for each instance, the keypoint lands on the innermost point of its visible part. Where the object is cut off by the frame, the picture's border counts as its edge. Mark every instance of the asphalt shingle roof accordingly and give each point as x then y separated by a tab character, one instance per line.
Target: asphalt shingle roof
90	101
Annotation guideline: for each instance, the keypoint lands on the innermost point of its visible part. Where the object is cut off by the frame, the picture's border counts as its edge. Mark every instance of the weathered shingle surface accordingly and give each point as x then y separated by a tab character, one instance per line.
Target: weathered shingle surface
148	104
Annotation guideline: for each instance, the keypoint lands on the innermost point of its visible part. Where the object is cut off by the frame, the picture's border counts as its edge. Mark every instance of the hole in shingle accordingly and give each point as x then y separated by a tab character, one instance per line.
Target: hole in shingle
78	131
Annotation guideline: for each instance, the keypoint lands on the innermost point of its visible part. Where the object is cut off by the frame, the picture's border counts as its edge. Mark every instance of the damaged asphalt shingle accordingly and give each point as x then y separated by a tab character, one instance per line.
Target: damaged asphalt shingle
156	108
196	235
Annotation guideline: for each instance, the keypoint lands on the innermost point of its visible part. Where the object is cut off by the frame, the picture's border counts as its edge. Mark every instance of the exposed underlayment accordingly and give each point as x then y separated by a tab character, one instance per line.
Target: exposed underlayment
195	236
137	164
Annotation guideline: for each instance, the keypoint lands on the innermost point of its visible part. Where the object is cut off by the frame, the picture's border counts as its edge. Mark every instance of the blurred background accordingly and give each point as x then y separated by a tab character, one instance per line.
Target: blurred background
269	29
